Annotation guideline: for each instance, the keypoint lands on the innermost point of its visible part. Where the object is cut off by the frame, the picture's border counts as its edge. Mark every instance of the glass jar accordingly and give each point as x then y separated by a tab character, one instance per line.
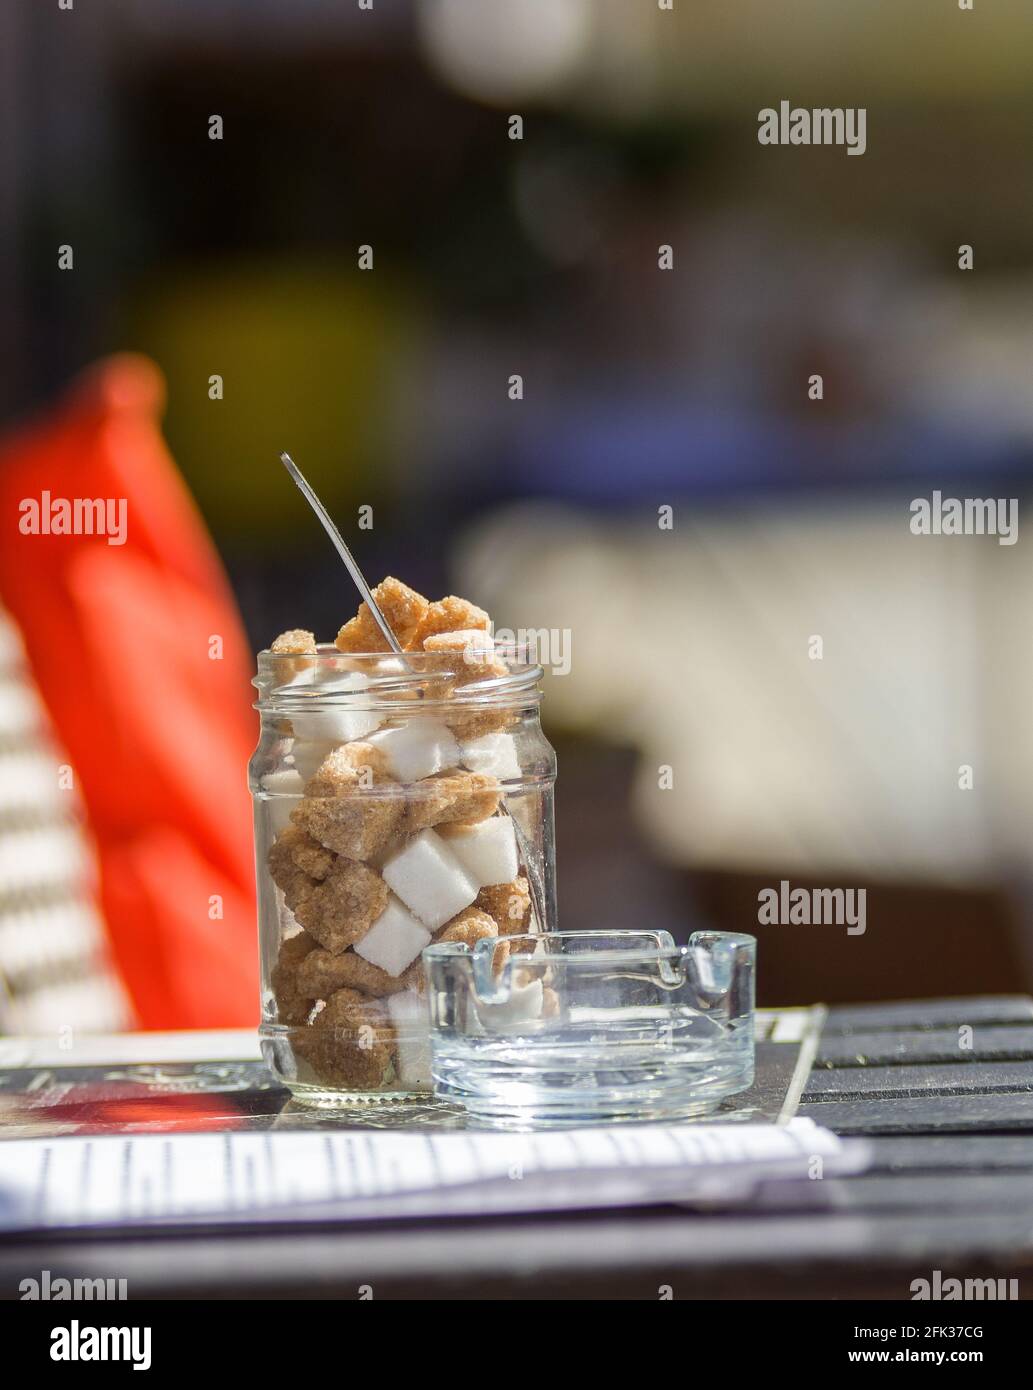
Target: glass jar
399	800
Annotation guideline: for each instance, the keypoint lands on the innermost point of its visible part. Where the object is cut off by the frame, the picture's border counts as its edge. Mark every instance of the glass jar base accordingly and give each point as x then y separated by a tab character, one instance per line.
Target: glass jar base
322	1098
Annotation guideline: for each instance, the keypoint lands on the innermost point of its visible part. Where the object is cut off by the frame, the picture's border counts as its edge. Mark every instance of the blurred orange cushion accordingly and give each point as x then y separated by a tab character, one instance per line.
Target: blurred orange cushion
121	639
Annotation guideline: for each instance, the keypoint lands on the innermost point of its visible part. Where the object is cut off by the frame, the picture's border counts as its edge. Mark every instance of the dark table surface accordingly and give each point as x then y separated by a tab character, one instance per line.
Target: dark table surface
943	1089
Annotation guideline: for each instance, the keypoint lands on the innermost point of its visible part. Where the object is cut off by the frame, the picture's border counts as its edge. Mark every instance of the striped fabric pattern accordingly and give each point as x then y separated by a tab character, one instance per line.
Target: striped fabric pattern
55	976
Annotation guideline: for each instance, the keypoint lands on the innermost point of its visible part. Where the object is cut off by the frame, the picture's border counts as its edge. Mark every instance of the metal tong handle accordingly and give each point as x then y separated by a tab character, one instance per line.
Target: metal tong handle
338	540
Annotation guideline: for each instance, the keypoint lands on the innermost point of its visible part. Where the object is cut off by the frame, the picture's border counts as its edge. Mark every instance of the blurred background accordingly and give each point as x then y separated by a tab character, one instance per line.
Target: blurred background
692	646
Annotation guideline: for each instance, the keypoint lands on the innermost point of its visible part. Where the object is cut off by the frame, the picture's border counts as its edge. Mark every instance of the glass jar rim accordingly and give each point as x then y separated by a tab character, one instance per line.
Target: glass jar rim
328	651
300	681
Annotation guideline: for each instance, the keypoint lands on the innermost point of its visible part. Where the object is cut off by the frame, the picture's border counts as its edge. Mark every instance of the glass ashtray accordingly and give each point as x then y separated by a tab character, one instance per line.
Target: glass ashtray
575	1028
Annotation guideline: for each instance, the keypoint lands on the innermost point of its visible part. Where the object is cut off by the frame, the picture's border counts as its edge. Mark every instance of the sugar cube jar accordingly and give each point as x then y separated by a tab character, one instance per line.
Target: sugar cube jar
399	800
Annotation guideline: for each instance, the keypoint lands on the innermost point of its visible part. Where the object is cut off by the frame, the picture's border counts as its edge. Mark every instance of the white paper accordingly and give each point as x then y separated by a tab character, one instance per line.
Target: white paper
359	1174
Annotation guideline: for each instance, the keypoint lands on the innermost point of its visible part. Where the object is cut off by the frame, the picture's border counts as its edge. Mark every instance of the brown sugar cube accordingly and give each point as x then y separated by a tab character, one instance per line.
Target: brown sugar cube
500	956
294	849
296	642
292	1008
361	634
467	656
294	949
361	1022
321	973
291	1004
428	804
449	798
476	721
472	655
350	1043
288	874
340	910
474	643
471	926
349	765
550	1003
348	804
475	797
509	904
357	827
299	890
402	607
468	927
366	760
311	857
449	614
284	870
345	1064
412	977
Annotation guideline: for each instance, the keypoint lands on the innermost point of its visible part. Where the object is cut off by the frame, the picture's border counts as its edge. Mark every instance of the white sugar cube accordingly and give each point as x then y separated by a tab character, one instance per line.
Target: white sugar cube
281	786
308	755
283	783
336	725
523	1005
493	754
417	749
411	1022
430	880
391	666
488	850
394	940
